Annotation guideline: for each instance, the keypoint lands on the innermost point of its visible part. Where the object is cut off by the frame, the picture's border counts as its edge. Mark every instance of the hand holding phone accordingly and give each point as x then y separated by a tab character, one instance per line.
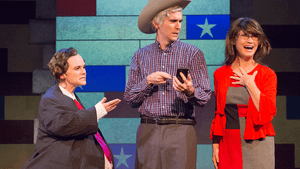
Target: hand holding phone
185	72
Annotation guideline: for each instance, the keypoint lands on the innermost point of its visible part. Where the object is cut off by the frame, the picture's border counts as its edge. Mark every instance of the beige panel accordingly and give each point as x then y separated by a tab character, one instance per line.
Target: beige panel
15	155
287	131
22	57
276	12
283	59
21	107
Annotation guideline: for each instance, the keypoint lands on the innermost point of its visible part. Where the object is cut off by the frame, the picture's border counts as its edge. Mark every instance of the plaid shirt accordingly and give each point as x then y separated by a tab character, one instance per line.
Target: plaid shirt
163	99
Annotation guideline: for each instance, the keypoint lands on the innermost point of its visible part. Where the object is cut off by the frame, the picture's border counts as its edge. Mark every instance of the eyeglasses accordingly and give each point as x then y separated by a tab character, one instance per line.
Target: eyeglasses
246	37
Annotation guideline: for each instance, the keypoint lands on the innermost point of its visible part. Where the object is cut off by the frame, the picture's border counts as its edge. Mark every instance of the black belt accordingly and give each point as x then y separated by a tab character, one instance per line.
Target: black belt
167	120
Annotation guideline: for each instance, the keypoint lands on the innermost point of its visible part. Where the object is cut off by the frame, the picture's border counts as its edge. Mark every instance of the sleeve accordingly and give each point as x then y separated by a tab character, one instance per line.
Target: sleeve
201	83
218	121
101	111
136	90
61	120
267	104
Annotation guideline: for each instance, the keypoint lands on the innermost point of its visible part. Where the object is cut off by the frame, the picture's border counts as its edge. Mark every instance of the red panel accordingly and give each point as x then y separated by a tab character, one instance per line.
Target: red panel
75	7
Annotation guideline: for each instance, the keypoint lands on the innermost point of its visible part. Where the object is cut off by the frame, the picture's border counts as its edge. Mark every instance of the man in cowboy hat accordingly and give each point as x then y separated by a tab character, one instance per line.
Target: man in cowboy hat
166	137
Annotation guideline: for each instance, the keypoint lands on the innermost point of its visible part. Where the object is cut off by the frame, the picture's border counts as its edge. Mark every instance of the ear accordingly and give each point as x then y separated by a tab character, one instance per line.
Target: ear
154	24
63	76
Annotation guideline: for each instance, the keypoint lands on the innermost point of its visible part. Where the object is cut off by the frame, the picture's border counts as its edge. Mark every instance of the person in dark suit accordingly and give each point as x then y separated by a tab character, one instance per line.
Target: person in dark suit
68	134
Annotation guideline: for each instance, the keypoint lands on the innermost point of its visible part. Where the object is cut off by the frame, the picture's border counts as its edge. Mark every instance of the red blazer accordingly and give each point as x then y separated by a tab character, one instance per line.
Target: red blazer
258	123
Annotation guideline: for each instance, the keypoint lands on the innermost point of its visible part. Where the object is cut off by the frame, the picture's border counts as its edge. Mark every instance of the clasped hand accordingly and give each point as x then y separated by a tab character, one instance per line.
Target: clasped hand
161	77
242	78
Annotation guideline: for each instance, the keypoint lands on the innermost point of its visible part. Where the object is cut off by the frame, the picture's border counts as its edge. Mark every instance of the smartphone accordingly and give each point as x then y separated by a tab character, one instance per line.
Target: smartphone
185	71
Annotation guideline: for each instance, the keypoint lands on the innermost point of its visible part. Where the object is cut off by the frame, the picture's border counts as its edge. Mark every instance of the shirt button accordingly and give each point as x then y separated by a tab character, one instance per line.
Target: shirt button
163	107
163	93
163	66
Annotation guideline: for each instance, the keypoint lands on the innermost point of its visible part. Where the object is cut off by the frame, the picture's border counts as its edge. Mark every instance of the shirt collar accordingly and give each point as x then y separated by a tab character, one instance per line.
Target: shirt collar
168	46
65	92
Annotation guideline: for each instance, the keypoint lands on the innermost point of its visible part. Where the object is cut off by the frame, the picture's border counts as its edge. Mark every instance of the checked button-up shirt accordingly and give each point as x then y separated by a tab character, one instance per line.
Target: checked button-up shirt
163	99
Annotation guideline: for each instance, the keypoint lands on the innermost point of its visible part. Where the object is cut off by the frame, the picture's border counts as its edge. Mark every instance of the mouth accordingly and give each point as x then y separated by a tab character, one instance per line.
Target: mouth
248	47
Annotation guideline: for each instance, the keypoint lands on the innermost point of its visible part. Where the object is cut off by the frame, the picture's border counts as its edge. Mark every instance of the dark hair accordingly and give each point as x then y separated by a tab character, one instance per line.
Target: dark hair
248	26
58	65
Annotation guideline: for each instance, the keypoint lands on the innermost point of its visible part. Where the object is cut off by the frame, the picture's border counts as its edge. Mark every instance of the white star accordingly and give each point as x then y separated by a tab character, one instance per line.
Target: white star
122	158
206	28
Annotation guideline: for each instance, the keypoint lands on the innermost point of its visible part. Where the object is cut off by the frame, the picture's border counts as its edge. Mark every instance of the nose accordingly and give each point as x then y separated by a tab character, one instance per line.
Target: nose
250	39
178	25
83	71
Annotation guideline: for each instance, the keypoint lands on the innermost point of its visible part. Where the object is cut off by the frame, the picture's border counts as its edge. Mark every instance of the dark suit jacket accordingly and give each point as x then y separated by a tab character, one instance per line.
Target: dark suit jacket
66	135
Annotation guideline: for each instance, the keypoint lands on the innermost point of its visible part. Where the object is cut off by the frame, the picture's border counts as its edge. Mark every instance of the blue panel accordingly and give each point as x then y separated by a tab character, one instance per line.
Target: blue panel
1	107
124	155
204	155
104	53
117	7
90	99
292	109
99	28
207	26
119	130
104	78
208	7
134	7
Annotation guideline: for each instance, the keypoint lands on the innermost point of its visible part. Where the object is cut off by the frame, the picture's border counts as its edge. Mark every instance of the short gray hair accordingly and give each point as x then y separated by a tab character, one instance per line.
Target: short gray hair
159	18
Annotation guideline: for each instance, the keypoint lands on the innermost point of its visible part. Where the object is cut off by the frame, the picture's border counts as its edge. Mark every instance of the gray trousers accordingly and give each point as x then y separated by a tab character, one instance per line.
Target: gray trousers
172	146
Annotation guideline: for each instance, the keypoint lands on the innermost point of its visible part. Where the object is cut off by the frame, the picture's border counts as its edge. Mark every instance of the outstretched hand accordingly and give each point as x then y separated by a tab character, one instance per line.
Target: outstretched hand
109	106
186	87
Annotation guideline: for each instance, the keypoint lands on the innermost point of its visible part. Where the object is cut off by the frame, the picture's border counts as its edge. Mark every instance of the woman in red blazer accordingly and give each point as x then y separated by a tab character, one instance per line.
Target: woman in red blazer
242	132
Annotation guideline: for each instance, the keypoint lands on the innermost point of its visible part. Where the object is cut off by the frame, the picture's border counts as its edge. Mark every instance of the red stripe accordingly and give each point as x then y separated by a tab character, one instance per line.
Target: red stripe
75	7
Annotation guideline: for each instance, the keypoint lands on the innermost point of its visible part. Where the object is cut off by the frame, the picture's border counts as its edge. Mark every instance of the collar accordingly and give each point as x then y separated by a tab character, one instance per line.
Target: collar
65	92
169	46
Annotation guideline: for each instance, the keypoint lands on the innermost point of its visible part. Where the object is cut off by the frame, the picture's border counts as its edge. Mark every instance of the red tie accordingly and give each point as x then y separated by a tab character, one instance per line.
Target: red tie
98	137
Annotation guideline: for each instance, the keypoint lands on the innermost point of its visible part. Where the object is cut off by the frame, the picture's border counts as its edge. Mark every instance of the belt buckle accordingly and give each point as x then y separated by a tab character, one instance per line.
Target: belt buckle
157	120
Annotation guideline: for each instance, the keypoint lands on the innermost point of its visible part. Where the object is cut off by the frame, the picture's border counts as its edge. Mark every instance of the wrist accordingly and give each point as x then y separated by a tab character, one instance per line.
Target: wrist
148	83
190	92
249	83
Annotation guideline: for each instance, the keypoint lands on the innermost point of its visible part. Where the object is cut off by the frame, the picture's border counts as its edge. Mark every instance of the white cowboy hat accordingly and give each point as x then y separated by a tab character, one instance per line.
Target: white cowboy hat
152	8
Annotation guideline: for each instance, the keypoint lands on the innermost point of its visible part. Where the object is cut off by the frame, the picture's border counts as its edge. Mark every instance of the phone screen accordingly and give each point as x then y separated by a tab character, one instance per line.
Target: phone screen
184	71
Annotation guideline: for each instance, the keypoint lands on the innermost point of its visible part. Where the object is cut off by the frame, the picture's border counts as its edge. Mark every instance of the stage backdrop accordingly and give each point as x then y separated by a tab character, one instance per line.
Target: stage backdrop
106	35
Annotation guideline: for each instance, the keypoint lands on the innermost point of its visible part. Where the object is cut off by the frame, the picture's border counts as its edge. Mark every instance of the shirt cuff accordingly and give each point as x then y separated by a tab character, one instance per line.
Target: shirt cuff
100	110
147	89
182	96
